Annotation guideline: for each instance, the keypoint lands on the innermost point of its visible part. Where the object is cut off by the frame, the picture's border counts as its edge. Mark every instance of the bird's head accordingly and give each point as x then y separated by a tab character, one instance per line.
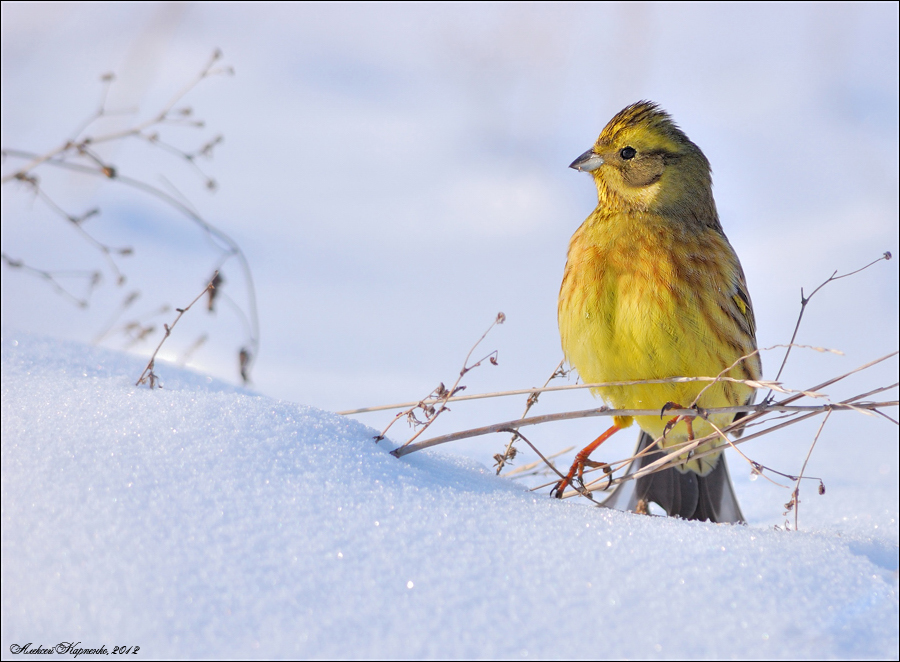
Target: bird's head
642	162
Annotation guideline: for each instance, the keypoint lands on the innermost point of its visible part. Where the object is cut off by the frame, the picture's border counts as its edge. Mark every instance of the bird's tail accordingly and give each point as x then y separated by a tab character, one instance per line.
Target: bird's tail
687	495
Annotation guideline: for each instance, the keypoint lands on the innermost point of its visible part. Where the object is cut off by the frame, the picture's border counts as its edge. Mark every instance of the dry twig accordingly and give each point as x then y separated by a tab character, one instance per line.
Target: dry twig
507	456
79	154
758	384
92	279
434	408
804	301
148	376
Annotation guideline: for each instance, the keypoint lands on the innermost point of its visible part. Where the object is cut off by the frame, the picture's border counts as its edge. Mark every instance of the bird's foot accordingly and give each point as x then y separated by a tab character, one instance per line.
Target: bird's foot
688	420
581	461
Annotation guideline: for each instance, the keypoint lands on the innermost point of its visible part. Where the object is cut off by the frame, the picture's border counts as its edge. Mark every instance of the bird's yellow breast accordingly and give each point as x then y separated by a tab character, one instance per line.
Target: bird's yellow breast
631	308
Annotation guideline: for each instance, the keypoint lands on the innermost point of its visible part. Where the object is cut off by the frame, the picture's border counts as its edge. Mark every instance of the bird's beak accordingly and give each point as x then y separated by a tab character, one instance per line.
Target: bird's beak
587	162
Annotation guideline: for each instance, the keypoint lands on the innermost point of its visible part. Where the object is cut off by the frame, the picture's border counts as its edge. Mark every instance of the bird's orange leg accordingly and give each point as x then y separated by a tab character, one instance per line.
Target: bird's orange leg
580	460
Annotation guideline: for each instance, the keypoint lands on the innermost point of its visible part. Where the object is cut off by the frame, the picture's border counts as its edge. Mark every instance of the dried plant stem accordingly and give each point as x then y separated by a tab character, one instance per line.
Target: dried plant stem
224	243
673	459
509	453
754	412
545	460
804	300
531	465
441	393
795	495
606	411
758	384
148	376
91	277
81	147
761	410
77	223
79	154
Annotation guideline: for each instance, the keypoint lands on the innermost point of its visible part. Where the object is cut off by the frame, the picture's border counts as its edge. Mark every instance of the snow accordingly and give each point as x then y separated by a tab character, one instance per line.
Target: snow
203	520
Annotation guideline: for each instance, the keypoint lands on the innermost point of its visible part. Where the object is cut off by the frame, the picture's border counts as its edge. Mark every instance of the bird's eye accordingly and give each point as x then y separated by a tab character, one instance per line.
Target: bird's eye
628	153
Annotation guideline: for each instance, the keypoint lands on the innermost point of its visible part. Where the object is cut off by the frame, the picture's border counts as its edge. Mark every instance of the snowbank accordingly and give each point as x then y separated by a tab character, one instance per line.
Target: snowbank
201	520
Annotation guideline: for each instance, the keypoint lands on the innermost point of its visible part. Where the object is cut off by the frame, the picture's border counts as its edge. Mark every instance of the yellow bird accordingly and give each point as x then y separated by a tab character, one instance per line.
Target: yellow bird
652	289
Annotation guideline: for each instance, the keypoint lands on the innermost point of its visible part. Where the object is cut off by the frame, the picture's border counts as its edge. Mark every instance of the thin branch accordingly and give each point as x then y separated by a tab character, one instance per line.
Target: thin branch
546	461
229	246
77	222
441	393
753	383
92	278
756	411
795	495
148	376
804	300
79	154
80	147
520	471
672	460
510	452
605	411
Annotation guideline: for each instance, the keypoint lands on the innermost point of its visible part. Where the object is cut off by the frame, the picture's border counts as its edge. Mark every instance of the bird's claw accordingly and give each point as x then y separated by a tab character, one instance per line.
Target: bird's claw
669	405
558	491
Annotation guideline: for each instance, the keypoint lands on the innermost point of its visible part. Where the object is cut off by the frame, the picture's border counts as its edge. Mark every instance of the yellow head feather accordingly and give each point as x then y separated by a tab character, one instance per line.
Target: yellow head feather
642	162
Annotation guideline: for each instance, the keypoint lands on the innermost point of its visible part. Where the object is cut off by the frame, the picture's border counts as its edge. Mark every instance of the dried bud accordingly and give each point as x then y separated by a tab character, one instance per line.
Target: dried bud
244	360
213	290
